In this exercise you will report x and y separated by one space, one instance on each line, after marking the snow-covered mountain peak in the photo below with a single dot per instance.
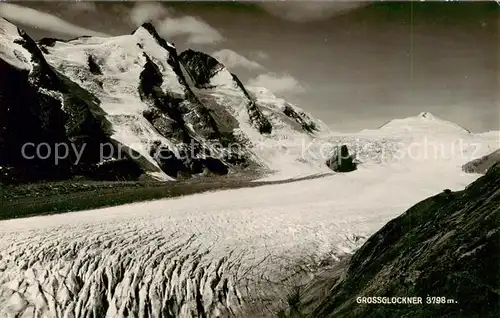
10 50
7 28
136 92
425 123
426 115
418 139
148 30
206 71
263 93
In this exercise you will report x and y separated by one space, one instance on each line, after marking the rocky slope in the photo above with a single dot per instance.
481 165
40 105
444 246
137 106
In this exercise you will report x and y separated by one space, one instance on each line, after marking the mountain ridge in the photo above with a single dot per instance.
144 89
166 115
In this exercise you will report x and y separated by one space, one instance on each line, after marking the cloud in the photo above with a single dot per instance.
231 59
193 28
260 55
82 6
34 18
304 11
196 30
277 84
147 12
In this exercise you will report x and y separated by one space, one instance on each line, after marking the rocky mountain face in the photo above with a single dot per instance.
130 105
444 246
41 106
482 164
341 160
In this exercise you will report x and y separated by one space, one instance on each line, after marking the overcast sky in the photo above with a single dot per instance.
354 65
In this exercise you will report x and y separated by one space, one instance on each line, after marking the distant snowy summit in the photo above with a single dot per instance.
130 106
423 122
426 115
422 139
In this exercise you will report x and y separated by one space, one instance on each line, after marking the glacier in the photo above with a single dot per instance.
222 253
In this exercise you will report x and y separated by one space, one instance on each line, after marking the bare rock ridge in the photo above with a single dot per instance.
133 92
444 246
256 116
481 165
203 67
309 126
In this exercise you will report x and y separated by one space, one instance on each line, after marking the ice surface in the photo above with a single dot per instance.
214 252
208 252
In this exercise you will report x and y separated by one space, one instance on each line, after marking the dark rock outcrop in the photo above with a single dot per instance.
161 41
93 66
150 81
341 160
201 67
165 125
44 108
168 161
444 246
257 118
196 113
481 165
50 42
185 163
214 165
28 116
171 113
307 125
167 116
